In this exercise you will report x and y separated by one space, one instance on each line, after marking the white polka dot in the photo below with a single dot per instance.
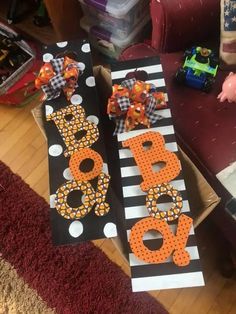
67 174
81 66
93 119
55 150
52 200
83 198
76 229
90 81
62 44
47 57
48 109
105 168
76 99
110 230
85 48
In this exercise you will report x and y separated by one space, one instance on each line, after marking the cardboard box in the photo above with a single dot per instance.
202 197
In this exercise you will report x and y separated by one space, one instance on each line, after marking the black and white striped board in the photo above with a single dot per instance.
166 275
91 227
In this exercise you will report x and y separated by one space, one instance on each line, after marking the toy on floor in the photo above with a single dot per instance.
199 69
228 89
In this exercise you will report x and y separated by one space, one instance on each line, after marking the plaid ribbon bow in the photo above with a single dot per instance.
120 107
56 75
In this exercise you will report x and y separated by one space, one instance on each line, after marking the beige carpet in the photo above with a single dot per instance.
16 296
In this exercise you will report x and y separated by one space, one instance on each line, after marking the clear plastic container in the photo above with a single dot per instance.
118 16
110 45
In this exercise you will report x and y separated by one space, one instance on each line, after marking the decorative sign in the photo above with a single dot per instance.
163 252
80 193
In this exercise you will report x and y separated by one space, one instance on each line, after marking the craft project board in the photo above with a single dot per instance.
165 275
65 231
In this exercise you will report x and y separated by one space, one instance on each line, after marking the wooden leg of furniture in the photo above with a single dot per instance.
227 261
65 17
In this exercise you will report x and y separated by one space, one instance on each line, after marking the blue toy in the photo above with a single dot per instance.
199 69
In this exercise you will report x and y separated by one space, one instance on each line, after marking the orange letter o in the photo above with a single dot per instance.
78 157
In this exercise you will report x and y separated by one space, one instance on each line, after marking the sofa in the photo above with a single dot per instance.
205 128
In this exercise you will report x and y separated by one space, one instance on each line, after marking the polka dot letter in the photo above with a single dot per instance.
155 193
102 207
62 193
156 153
90 198
81 155
171 242
71 120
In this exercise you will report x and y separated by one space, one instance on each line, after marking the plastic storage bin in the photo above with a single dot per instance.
110 45
118 16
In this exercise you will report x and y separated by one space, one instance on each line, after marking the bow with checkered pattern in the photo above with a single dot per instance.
134 102
56 75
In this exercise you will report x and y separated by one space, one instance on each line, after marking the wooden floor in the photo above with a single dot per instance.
23 148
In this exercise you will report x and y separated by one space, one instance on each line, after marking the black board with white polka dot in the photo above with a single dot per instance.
90 227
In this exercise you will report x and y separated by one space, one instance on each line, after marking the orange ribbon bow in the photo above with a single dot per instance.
56 75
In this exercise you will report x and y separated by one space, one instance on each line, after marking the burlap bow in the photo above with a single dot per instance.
134 102
56 75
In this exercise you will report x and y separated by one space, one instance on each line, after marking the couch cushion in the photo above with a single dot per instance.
137 51
207 126
178 24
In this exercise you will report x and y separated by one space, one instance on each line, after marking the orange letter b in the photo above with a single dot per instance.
146 158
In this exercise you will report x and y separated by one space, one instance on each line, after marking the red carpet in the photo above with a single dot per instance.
70 279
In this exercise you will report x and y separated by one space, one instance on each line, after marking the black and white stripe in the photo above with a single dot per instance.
165 275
